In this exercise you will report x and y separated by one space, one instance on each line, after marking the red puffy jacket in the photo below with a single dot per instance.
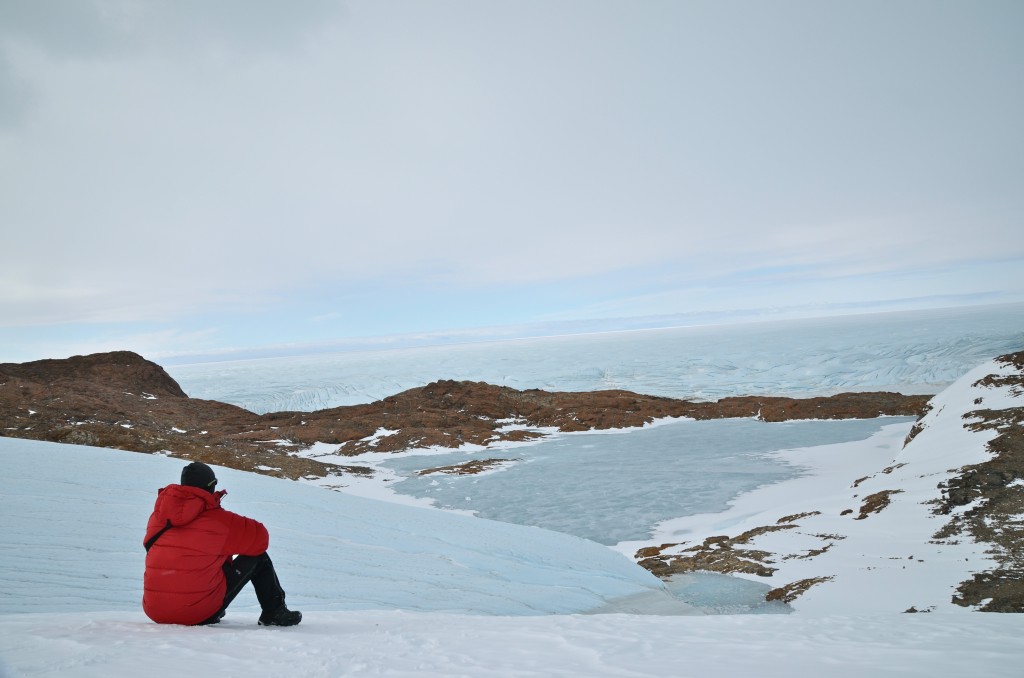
184 582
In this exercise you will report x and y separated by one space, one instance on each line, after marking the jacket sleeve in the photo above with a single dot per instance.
152 527
246 536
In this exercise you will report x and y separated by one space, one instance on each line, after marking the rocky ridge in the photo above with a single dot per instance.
123 401
993 494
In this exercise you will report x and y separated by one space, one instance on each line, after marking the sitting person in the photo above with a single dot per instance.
191 577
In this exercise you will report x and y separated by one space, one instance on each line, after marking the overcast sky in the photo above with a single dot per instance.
193 175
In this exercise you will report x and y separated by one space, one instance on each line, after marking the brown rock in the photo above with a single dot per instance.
123 401
468 468
995 501
793 590
716 554
874 503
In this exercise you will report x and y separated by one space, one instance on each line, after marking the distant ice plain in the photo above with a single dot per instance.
908 352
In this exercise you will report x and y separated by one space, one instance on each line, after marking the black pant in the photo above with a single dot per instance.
256 569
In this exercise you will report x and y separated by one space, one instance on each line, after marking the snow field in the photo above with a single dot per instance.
398 644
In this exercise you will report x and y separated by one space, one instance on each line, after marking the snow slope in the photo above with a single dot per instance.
74 518
886 561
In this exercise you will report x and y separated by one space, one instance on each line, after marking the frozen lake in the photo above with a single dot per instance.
613 487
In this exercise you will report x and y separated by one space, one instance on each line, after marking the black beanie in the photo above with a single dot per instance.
198 474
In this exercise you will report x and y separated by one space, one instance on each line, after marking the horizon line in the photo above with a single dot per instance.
543 330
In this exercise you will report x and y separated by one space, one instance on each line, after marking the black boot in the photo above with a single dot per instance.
282 616
260 571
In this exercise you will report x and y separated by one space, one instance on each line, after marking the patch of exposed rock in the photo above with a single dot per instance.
122 401
998 519
875 503
469 468
793 590
730 555
720 553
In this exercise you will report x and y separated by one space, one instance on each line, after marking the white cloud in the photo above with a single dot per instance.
170 158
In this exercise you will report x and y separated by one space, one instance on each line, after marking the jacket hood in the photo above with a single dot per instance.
182 504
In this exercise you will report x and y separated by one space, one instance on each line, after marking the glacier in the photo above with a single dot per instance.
908 352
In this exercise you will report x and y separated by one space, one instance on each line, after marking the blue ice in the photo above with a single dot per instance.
612 487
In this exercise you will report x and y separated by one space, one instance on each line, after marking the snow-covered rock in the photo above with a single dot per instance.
866 528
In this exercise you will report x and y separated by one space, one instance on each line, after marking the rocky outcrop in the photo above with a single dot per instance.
793 590
123 401
469 468
94 375
994 492
723 554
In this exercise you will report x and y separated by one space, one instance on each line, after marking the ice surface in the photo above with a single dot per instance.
612 487
73 518
725 594
917 352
